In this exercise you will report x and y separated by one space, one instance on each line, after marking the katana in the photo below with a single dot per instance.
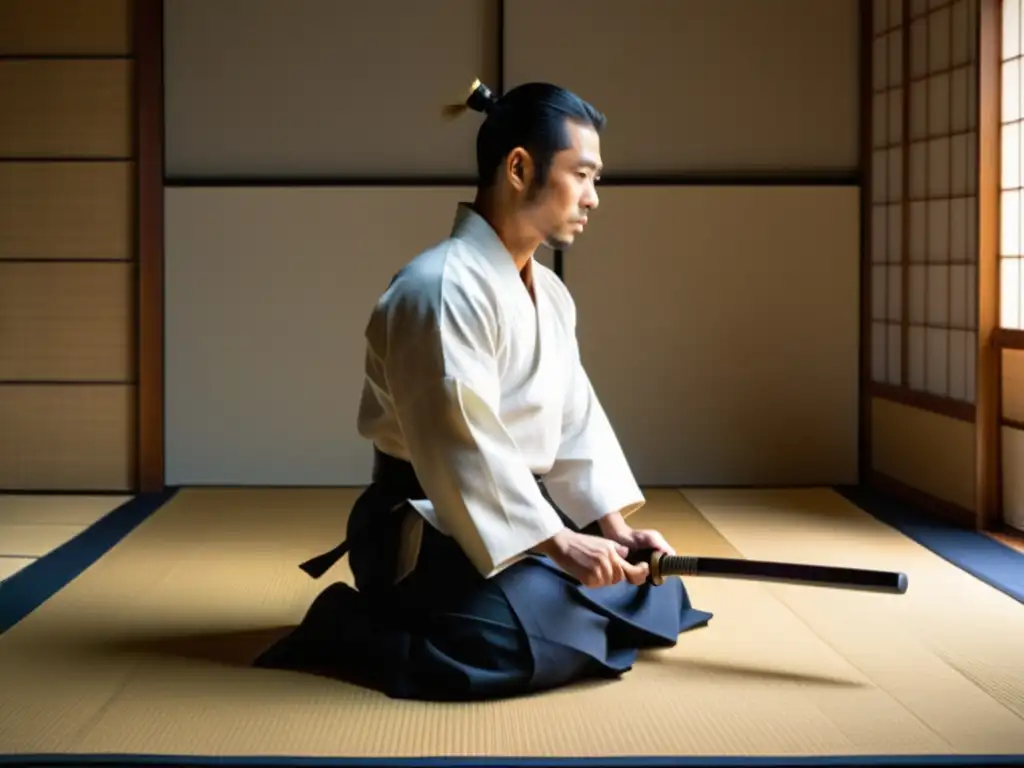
662 565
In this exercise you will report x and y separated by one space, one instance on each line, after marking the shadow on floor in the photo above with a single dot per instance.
233 648
240 648
754 674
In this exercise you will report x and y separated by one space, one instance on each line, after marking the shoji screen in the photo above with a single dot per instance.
887 193
1011 248
942 247
924 244
1011 260
924 181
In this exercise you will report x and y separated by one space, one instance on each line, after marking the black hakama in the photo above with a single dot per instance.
444 632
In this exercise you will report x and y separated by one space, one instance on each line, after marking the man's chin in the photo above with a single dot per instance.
560 243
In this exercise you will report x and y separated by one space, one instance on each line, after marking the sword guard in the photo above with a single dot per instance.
652 557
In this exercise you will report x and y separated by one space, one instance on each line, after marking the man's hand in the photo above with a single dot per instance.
594 560
635 539
615 528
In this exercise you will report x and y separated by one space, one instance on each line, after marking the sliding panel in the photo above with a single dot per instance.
268 291
322 88
886 224
692 86
725 354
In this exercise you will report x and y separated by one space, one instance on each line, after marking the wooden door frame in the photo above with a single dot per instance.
148 33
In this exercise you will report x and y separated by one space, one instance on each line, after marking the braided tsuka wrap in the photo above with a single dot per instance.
679 565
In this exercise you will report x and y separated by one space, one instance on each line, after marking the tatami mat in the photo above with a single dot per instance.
147 651
32 525
10 565
951 650
56 509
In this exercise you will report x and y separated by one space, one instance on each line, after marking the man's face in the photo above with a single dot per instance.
558 211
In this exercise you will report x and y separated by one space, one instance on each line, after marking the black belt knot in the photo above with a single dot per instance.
395 481
398 481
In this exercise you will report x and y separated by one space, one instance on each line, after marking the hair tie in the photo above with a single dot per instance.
480 99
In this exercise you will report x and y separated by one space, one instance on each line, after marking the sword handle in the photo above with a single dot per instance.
653 559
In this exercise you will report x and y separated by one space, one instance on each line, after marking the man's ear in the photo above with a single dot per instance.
519 169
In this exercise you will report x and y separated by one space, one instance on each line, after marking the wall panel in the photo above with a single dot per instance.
928 452
76 437
698 86
1013 385
65 27
55 210
268 291
725 354
1013 477
67 272
66 322
323 88
53 108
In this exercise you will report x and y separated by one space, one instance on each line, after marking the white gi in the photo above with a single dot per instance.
481 387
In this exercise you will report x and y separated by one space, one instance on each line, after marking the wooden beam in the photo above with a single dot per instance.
866 62
1009 338
987 402
148 48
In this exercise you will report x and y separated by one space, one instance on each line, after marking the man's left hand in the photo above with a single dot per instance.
637 539
640 539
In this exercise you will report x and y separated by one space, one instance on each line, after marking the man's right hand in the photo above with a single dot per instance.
594 560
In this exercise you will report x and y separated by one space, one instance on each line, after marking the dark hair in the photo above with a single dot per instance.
532 116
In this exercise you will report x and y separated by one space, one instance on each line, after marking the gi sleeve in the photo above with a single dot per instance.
443 371
590 477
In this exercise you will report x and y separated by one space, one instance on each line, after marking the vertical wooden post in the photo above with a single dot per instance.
148 38
987 412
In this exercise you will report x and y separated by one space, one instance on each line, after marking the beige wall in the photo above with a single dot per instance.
66 254
322 87
923 246
725 354
694 330
719 323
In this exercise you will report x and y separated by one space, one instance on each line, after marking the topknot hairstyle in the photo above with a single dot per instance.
532 116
